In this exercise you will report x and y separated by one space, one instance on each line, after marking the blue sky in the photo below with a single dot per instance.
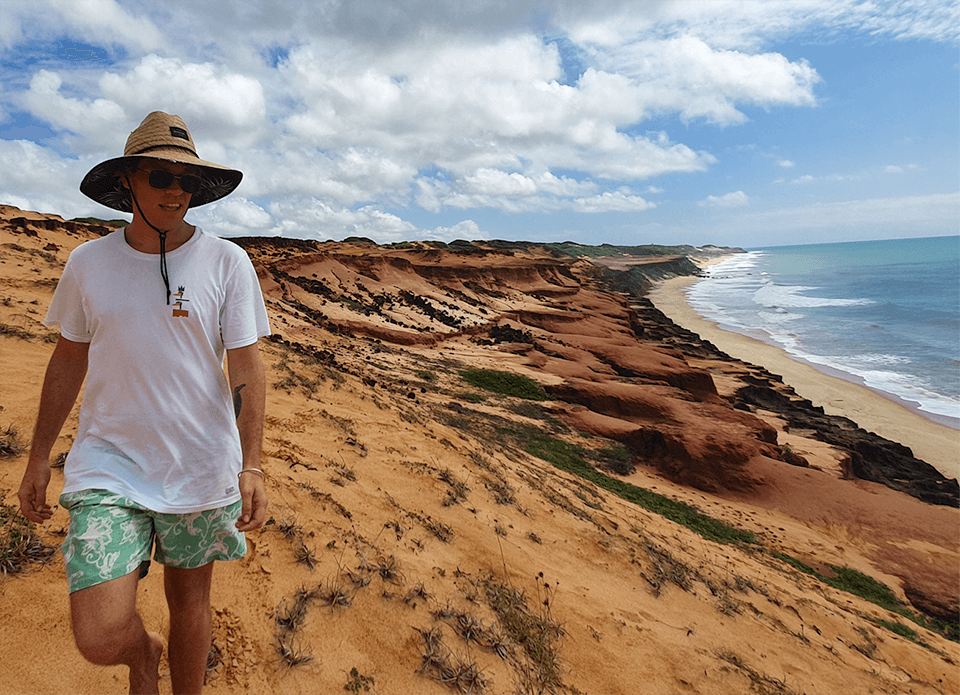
715 121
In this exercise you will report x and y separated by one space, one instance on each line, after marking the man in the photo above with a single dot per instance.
168 449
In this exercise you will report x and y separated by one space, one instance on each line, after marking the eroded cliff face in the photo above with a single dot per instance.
620 365
617 366
575 328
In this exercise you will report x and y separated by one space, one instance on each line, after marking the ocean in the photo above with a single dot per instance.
882 313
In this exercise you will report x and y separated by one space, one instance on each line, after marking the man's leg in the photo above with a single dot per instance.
188 598
109 632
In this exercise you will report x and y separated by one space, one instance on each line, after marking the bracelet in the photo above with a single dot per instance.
252 470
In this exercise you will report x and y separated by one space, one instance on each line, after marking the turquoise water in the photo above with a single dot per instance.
886 313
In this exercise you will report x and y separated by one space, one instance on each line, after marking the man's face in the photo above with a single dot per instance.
164 207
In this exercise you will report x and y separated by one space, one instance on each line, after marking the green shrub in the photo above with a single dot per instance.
868 588
571 458
473 397
859 584
900 629
617 458
505 384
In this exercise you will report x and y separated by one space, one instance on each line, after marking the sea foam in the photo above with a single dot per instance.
857 309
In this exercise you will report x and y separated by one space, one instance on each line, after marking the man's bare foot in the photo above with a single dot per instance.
146 680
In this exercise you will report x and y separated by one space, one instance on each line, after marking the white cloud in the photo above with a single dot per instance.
33 177
213 100
518 193
94 120
102 22
468 229
688 76
233 216
220 107
616 201
313 219
737 199
892 169
786 163
750 23
828 178
106 21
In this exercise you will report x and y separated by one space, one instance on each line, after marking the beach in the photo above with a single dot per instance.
936 444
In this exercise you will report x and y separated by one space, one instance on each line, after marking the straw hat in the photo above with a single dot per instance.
165 137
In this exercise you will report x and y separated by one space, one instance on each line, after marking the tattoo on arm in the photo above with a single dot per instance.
237 401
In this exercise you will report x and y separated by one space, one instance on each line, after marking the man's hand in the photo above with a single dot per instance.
254 511
33 493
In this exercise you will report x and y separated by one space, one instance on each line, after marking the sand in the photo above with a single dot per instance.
936 444
416 508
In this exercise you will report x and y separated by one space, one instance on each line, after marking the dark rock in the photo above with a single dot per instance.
872 457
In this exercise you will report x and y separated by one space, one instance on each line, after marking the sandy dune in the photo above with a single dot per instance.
428 549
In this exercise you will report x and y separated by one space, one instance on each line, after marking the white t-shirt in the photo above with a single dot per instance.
157 422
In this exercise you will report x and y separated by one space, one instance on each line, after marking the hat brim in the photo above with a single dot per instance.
104 185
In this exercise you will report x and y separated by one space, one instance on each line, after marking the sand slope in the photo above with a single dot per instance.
430 551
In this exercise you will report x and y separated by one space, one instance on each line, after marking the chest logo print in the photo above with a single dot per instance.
178 310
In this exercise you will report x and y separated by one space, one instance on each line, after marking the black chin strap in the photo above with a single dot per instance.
163 245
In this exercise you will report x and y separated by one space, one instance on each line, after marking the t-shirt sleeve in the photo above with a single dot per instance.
66 309
244 317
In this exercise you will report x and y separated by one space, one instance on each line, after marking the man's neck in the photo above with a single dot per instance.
140 236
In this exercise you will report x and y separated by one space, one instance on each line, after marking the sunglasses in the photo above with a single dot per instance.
161 178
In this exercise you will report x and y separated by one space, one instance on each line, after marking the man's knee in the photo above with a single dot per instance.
105 619
102 642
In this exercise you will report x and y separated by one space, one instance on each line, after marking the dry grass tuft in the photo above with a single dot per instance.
759 682
290 649
458 489
289 528
10 444
19 545
389 570
666 568
304 555
288 619
538 669
335 595
16 332
417 593
440 530
501 491
440 664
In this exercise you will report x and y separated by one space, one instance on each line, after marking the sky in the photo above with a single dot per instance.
729 122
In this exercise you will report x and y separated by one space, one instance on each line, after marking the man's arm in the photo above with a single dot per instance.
61 386
248 385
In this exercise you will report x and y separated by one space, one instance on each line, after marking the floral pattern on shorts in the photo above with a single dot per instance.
111 535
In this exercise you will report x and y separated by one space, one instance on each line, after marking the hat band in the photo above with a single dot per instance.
163 147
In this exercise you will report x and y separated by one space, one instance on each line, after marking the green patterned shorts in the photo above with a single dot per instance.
110 536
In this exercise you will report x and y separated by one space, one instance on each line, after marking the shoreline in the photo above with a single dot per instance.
936 443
